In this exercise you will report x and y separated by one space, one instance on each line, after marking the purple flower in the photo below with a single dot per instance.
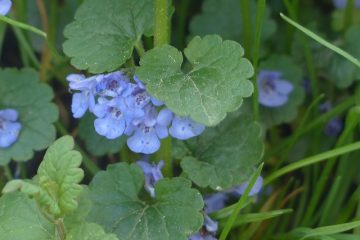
85 99
112 116
208 231
215 202
334 127
148 130
9 127
342 3
184 128
152 173
5 6
273 91
255 189
112 84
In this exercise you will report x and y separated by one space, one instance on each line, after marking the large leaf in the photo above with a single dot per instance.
56 185
96 144
275 115
224 18
20 219
172 214
216 84
89 231
225 156
21 90
104 33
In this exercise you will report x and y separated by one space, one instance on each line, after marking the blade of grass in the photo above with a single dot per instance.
329 230
259 217
322 41
312 160
352 121
239 204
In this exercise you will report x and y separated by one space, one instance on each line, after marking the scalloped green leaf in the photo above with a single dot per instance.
225 156
173 214
22 91
104 33
89 231
342 72
56 186
292 73
96 144
216 84
20 219
224 18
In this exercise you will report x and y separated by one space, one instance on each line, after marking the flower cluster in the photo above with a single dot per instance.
9 127
273 90
342 3
5 6
125 107
208 230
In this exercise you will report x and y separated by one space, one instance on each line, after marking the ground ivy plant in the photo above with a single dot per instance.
179 120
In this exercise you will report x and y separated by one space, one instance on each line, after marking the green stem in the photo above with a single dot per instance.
22 25
7 172
349 13
260 10
161 23
312 160
246 25
161 37
60 228
26 46
140 48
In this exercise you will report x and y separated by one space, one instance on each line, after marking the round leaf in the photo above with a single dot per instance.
104 33
216 84
173 214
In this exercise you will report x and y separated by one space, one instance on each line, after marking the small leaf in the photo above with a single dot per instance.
21 219
225 156
96 144
56 185
172 214
217 83
104 33
293 74
89 231
22 91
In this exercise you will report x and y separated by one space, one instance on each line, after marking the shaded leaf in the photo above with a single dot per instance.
117 206
225 156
